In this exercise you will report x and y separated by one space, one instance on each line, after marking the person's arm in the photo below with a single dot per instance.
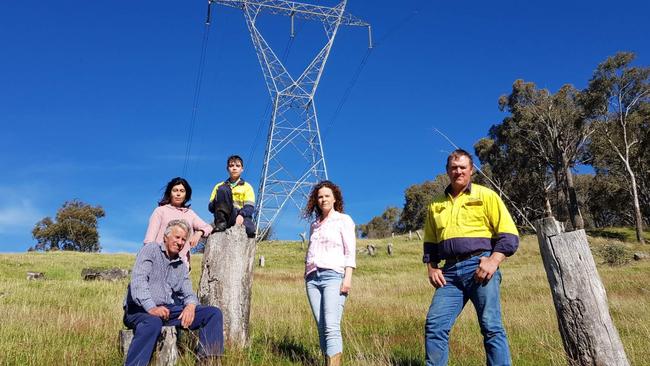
189 297
201 229
346 285
140 291
502 225
154 225
248 208
436 276
349 239
488 266
187 315
506 241
431 251
213 195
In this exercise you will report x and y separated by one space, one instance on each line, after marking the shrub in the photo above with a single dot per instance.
615 254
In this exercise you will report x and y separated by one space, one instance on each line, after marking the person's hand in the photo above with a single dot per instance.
436 277
486 267
346 285
159 311
187 315
194 239
239 220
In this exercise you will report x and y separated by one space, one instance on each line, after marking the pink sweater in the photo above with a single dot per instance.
162 215
332 244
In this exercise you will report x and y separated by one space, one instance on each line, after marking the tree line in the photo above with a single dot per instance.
531 156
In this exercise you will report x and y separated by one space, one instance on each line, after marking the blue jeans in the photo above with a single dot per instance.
449 300
327 302
146 329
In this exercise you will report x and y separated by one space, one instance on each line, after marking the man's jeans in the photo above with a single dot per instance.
324 294
146 329
449 300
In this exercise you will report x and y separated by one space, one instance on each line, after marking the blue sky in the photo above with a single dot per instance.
96 97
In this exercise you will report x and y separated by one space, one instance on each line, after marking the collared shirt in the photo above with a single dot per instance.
332 244
162 215
242 195
158 280
477 219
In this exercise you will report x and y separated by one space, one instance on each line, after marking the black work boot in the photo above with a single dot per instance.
220 223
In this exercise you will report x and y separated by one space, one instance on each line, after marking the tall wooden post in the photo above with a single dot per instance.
588 333
227 281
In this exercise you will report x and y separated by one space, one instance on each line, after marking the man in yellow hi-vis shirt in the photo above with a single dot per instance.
469 228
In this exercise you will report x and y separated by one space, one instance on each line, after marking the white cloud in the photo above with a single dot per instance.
18 215
115 244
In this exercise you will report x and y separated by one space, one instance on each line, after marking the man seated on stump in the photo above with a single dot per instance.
160 294
233 201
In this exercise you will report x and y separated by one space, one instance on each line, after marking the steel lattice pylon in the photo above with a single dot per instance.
294 159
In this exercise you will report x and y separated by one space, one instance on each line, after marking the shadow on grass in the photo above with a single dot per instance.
397 359
608 234
295 351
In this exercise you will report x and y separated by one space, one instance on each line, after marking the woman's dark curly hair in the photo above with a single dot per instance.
167 196
312 208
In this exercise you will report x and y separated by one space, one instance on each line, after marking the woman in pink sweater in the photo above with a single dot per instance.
174 206
328 265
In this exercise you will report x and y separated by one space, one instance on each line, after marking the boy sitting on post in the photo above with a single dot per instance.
232 201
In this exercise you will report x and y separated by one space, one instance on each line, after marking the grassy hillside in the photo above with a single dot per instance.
64 320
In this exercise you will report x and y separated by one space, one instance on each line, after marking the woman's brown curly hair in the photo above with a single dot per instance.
312 208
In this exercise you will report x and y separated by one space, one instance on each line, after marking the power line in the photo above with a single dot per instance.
492 182
197 93
364 61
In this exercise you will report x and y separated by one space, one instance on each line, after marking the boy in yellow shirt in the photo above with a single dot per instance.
233 201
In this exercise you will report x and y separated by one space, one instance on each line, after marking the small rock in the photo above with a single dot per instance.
639 256
35 276
111 274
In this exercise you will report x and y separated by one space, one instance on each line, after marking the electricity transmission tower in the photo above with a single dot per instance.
294 159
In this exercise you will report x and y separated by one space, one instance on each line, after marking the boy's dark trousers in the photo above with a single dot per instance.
225 212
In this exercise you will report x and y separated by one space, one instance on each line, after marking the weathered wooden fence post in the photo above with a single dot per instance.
588 334
227 281
371 249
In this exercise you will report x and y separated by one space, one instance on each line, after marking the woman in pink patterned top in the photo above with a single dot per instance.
328 265
173 206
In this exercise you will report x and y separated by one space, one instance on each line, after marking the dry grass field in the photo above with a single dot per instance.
63 320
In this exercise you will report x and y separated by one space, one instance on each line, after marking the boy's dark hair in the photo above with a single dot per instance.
232 158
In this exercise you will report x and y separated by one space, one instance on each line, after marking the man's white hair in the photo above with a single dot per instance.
181 224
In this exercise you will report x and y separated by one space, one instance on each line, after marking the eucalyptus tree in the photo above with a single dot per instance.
549 129
524 178
619 96
417 198
74 228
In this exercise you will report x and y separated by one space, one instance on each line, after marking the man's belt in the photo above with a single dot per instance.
461 257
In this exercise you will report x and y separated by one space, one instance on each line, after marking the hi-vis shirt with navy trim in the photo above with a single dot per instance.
242 193
477 219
